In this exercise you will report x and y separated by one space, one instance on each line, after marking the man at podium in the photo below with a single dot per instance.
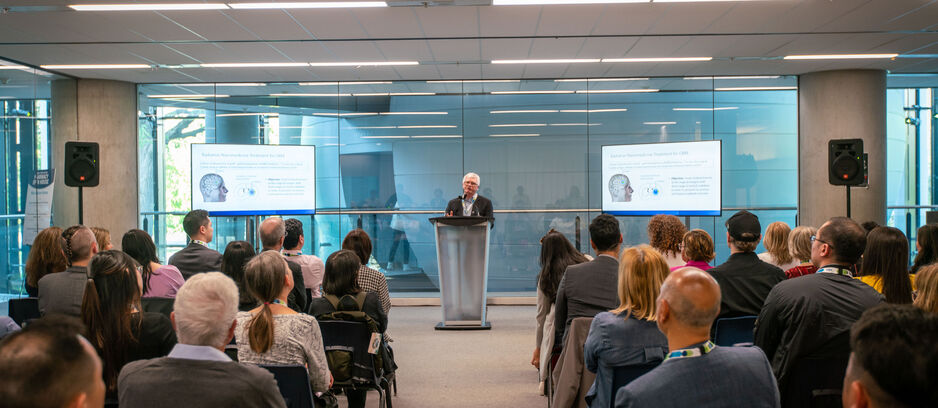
470 203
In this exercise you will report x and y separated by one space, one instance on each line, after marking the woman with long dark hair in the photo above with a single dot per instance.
236 257
117 327
884 264
159 281
926 243
557 253
272 333
45 257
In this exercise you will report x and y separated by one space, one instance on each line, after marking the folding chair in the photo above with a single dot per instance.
733 331
293 381
354 337
815 382
162 306
23 310
623 375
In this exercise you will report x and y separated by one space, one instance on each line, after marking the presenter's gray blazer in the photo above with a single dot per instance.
585 290
196 258
724 377
62 292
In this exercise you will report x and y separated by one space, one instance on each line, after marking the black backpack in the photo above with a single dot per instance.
340 361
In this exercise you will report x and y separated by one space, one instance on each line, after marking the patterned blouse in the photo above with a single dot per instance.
370 280
297 340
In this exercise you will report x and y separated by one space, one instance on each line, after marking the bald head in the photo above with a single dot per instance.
272 231
80 243
693 297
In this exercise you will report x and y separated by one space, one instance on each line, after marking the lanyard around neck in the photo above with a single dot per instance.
203 243
836 269
692 351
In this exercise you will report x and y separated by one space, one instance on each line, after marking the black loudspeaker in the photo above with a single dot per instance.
81 164
845 161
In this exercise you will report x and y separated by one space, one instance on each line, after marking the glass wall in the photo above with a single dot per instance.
910 156
390 155
26 135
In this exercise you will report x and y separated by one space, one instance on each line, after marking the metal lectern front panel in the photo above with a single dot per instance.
462 251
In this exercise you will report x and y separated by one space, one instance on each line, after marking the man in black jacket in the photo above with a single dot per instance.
470 203
272 232
745 280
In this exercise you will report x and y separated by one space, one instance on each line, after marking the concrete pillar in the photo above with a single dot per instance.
102 111
844 104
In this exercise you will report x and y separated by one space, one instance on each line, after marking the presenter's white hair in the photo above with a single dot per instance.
470 175
204 309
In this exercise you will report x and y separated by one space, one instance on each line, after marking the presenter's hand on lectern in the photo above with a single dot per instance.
449 214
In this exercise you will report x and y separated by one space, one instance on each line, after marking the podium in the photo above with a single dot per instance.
462 252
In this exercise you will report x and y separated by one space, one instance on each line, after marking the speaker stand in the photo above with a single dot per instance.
848 201
81 218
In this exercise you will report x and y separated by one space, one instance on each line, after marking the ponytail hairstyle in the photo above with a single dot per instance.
264 278
138 244
112 295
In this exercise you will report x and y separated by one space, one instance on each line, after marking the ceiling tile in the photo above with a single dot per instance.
449 21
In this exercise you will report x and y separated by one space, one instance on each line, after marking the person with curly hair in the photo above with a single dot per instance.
665 234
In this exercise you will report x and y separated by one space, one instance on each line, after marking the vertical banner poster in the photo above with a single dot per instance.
38 205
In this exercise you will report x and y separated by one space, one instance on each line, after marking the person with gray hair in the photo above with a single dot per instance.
272 232
688 303
197 372
63 292
470 203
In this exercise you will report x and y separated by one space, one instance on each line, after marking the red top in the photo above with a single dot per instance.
800 270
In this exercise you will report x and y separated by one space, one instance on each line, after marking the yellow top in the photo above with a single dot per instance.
877 283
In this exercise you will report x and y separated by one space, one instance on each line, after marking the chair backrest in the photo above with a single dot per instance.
623 375
162 306
353 338
734 330
293 381
815 382
24 309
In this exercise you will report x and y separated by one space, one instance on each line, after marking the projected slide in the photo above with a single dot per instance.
230 179
662 178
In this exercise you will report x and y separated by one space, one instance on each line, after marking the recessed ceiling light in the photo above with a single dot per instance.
757 88
362 63
529 92
414 113
472 81
839 56
519 125
575 124
705 109
427 127
253 65
308 4
495 112
96 66
547 61
188 96
436 136
148 7
593 110
600 79
554 2
13 67
592 91
281 95
659 123
668 59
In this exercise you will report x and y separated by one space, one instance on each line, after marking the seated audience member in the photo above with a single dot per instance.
197 256
197 372
776 246
869 226
103 238
926 297
118 330
237 254
811 316
557 253
627 335
697 373
745 280
50 366
696 250
311 265
45 257
369 280
590 287
926 244
341 292
665 234
272 333
884 264
62 292
799 244
272 233
7 326
893 362
162 281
